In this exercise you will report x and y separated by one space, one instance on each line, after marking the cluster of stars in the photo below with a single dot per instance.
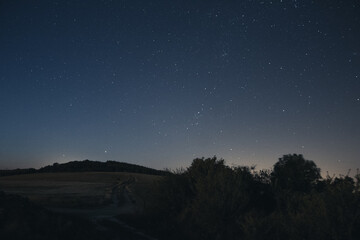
245 80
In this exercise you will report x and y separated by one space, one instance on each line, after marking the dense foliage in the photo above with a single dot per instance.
210 200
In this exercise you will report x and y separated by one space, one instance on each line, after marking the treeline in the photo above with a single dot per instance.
210 200
97 166
87 166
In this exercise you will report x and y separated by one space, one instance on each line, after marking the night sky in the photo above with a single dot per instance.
159 83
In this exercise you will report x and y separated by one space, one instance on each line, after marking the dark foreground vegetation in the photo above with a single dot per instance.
210 200
86 166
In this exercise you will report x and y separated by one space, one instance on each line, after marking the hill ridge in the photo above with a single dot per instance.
86 166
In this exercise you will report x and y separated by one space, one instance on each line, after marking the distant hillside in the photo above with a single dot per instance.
86 166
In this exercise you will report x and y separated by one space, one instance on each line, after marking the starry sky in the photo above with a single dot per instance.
159 83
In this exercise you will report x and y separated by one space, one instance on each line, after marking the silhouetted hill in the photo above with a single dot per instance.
87 166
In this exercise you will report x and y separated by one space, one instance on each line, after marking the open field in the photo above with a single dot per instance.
100 197
80 190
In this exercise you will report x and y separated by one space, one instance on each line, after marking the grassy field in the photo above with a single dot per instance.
77 190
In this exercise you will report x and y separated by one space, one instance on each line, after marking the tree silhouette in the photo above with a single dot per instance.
293 172
210 200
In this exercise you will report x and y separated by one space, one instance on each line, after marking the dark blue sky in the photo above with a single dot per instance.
159 83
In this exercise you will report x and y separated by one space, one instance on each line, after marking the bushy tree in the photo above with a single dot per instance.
293 172
210 200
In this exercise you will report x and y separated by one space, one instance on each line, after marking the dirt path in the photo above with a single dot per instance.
122 203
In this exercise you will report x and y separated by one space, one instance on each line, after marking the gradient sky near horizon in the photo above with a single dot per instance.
158 83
